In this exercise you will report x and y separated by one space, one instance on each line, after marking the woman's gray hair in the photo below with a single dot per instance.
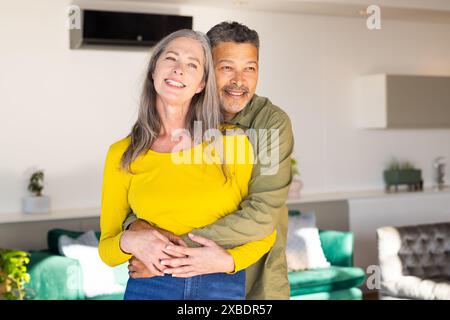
204 106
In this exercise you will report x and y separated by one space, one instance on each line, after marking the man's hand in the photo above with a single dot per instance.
136 269
140 224
204 260
144 225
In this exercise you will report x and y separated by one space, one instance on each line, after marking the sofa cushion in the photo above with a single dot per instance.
416 288
54 235
120 272
325 280
415 261
54 277
88 239
98 278
303 247
337 247
425 250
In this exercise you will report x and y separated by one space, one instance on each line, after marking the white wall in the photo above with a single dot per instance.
60 109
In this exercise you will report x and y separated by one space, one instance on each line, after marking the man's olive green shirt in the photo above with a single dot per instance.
264 209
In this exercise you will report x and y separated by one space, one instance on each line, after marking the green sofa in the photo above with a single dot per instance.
55 277
339 281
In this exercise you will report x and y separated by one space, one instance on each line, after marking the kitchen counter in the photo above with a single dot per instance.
363 194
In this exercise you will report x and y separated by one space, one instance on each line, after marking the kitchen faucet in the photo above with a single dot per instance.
439 172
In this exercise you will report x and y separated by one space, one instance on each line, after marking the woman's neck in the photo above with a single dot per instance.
172 116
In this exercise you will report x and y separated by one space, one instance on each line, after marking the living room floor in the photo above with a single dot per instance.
370 296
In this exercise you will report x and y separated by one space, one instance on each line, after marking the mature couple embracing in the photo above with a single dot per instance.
205 229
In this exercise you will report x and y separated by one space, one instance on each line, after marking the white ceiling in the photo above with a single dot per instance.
300 5
414 10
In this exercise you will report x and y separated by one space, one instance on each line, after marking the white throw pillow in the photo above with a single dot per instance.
88 238
303 248
98 278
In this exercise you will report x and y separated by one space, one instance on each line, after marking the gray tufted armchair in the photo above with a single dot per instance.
415 261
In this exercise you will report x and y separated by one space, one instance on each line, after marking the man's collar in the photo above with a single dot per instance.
245 117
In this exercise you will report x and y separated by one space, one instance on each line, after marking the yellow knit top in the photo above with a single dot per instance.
178 192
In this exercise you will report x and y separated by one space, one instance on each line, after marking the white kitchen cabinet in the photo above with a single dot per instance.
403 101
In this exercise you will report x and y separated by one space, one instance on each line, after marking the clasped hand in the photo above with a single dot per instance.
156 251
210 258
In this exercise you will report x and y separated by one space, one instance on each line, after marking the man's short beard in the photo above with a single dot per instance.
233 109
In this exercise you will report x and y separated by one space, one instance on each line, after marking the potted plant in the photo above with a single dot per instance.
13 274
403 173
296 184
36 203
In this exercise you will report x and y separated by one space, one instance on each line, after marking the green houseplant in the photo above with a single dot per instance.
36 183
37 202
402 174
294 168
13 274
296 184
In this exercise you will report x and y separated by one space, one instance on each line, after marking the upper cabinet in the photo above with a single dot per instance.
403 101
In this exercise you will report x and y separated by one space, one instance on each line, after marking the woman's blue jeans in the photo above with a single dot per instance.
216 286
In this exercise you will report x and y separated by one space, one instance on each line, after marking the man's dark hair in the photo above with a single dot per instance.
232 32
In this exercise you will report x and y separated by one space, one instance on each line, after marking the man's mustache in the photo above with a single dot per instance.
243 89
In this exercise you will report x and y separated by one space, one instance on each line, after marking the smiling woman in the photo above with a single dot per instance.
141 176
178 75
180 88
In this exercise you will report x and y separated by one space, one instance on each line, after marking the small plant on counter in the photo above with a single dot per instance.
407 166
402 173
36 183
394 165
37 202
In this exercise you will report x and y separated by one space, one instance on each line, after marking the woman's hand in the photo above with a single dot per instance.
146 245
177 240
210 258
146 248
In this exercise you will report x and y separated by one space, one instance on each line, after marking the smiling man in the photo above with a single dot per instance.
235 50
236 67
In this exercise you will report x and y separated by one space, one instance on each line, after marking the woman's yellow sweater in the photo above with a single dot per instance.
177 197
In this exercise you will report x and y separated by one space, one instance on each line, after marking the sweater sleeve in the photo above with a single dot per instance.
247 254
114 206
